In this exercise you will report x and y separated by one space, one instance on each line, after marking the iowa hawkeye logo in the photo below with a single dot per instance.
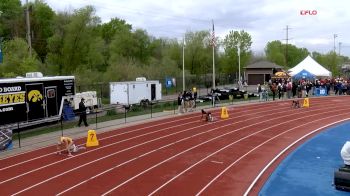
35 96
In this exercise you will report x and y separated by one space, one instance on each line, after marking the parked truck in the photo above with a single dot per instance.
135 92
34 99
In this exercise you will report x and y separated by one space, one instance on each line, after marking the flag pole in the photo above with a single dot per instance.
213 44
183 65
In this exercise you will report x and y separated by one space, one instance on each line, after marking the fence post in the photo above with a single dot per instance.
61 126
19 135
101 90
125 108
174 106
151 108
96 120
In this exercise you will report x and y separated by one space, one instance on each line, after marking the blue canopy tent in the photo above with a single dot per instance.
304 74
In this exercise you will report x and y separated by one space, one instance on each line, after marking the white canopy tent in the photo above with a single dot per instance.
311 66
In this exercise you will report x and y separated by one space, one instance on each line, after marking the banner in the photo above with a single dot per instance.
168 82
320 91
5 139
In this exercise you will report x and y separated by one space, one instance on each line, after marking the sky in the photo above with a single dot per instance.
317 25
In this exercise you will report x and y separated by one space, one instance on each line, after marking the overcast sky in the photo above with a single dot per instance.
264 20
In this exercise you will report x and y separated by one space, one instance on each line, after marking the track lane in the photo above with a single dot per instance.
263 106
197 175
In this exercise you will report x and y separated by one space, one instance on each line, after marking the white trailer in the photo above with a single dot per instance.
90 97
135 92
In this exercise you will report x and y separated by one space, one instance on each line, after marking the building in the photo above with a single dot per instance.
260 72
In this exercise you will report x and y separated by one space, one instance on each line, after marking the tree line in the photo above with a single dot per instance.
78 43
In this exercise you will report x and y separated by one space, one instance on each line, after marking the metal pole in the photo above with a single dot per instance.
213 44
213 67
239 64
61 126
125 114
19 135
183 65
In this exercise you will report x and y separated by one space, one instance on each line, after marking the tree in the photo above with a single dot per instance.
11 20
74 44
231 43
113 27
17 61
329 61
42 18
197 52
276 52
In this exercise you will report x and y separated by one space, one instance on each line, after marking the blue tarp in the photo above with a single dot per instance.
304 74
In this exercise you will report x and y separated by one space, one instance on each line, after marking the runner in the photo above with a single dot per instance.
207 115
65 143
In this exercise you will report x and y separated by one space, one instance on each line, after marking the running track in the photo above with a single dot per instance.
179 155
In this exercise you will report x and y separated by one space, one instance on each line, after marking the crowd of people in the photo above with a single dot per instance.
186 101
287 89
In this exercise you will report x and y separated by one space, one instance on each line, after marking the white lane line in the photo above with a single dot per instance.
146 143
82 182
31 171
150 168
260 108
167 122
284 150
125 139
210 155
218 162
183 139
214 179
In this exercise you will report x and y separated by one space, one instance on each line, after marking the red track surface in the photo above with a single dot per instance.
176 156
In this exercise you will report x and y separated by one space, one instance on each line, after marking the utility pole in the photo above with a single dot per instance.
287 29
29 39
339 48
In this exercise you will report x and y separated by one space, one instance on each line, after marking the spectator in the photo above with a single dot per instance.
82 112
273 90
180 103
259 92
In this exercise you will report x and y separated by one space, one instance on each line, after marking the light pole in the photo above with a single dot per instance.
239 64
183 65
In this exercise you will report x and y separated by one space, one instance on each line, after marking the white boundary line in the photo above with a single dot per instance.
287 148
121 184
116 135
126 150
260 108
205 187
276 125
146 143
